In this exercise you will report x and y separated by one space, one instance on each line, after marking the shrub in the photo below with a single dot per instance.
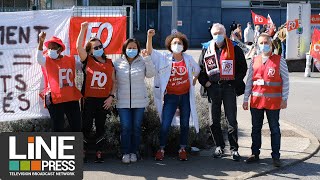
150 128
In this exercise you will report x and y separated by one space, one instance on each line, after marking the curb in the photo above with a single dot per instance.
313 148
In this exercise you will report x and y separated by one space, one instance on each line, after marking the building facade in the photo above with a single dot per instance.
194 17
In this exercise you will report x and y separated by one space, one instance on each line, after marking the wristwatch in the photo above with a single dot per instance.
112 96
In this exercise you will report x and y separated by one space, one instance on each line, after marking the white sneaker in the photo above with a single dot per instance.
133 157
218 152
126 158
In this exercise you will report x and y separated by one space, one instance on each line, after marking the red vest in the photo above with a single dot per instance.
60 78
98 78
267 95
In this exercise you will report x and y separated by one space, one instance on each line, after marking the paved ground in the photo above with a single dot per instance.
297 144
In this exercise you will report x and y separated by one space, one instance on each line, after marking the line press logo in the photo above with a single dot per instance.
41 155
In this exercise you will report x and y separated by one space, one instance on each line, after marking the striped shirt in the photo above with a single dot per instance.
283 73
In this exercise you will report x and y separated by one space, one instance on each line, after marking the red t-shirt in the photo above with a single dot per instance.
179 81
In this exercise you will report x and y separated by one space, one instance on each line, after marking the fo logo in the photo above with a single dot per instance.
39 155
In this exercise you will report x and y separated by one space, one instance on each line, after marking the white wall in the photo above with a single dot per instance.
63 4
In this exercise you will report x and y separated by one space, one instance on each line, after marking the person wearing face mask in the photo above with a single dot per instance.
268 86
98 89
223 67
173 88
60 94
248 34
132 96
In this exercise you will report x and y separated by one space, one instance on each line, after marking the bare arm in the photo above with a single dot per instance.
108 102
114 81
150 34
81 51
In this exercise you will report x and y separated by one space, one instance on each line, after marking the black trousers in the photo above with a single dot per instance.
71 110
218 94
93 109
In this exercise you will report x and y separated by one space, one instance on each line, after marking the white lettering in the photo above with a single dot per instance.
12 149
98 76
64 74
101 27
41 144
62 147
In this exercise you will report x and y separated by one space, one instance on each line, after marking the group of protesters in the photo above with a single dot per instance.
250 35
220 71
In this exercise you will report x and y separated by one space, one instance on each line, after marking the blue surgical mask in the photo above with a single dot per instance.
131 53
265 48
218 38
53 54
98 53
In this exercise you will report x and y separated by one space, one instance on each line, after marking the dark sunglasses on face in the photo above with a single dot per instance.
98 47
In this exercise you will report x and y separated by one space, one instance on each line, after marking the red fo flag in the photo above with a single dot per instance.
292 25
258 19
315 45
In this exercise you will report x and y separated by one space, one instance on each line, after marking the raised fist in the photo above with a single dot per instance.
42 36
151 32
84 25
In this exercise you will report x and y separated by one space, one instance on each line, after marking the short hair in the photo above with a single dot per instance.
238 25
267 36
218 26
125 45
179 35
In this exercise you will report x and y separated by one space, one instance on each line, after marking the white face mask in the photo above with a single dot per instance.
53 54
176 48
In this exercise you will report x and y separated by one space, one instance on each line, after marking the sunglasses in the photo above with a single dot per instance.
98 47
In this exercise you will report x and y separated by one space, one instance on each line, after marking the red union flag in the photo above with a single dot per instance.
110 30
292 25
258 19
315 45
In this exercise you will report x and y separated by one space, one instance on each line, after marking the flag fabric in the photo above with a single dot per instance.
258 19
315 44
269 20
292 25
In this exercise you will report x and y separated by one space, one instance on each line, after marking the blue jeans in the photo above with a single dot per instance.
283 47
257 122
130 120
171 103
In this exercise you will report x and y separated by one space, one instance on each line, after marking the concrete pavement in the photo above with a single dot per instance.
297 145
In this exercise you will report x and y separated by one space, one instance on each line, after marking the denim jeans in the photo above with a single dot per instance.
283 47
224 93
130 120
171 103
257 122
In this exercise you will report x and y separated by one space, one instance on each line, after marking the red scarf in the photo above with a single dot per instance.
227 61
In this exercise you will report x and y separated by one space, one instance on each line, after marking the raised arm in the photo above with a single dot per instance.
81 51
40 58
150 34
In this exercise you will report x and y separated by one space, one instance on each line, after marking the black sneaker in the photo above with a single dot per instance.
99 158
252 159
236 156
276 162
